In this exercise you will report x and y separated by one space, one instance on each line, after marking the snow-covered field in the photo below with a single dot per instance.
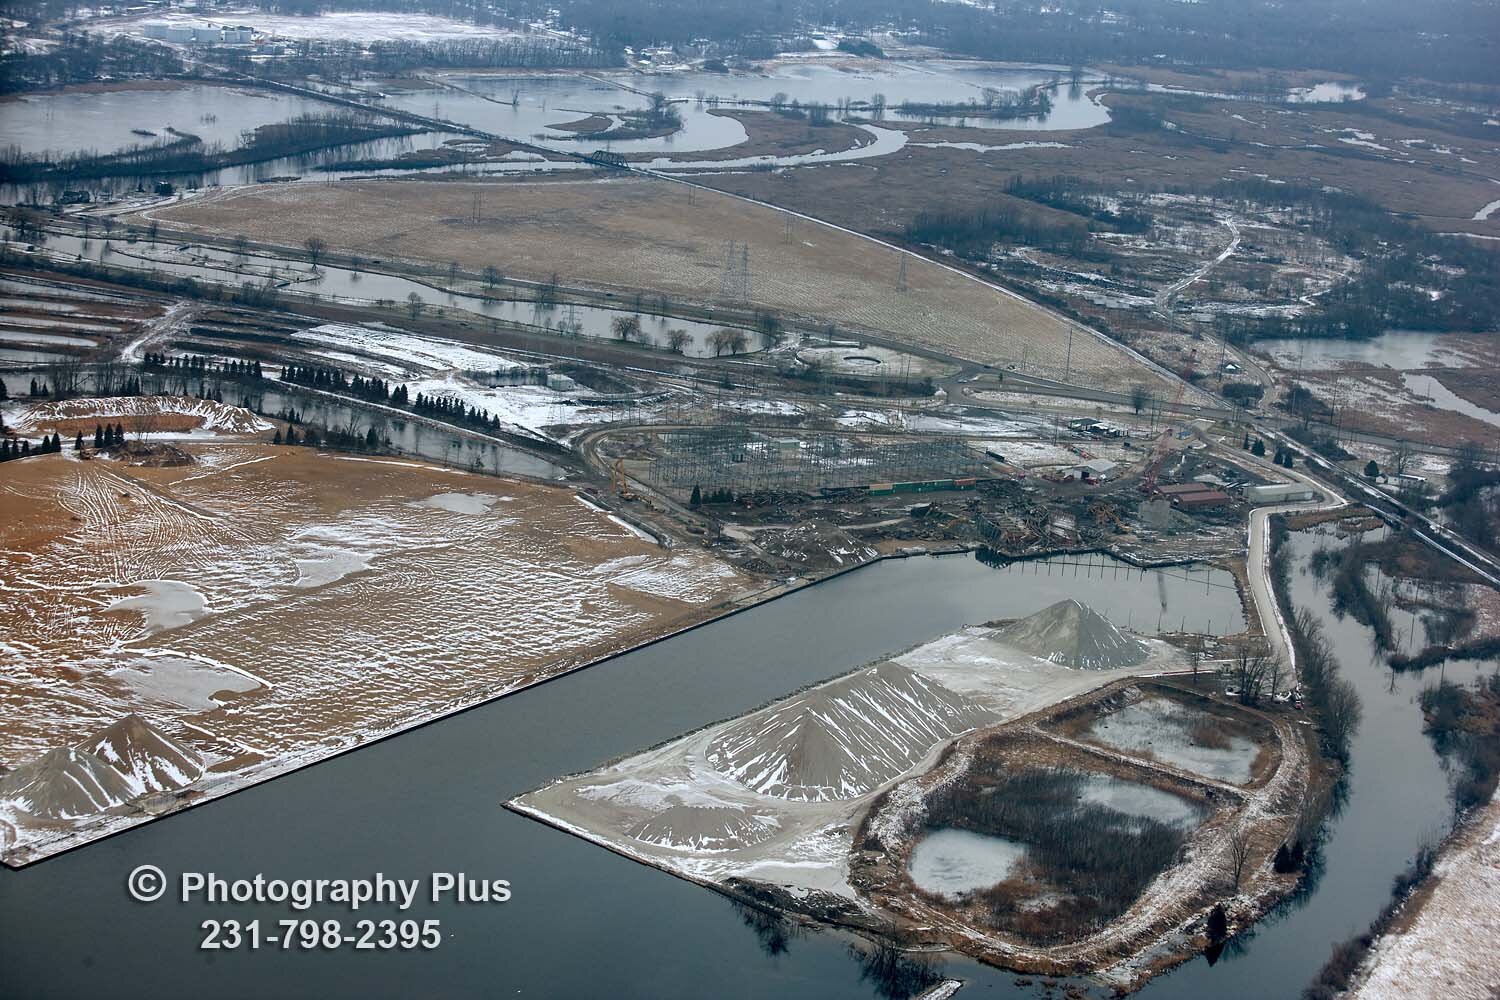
414 354
272 606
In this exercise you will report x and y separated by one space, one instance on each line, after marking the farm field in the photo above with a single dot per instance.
641 234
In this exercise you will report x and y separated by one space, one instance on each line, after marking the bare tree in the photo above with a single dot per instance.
678 339
452 272
314 246
1139 397
414 305
1239 854
626 327
1251 671
492 276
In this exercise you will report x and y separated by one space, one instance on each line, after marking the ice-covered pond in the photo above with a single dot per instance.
951 861
1177 735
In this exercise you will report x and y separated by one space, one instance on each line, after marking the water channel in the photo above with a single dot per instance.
341 284
585 922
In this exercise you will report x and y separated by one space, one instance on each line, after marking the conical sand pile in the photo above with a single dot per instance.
845 738
1076 635
147 758
65 783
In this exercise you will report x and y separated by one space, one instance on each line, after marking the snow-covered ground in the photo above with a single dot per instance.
774 795
413 353
281 605
1449 951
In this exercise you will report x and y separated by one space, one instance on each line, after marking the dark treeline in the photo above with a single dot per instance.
1070 194
81 58
187 154
974 232
342 60
1399 263
1033 102
1446 40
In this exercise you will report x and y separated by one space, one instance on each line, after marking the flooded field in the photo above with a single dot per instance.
341 284
105 120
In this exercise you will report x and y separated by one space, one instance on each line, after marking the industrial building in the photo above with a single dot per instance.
1280 493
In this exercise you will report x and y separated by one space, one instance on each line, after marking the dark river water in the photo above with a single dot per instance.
584 922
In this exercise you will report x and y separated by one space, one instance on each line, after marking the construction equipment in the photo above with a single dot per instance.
617 480
1159 450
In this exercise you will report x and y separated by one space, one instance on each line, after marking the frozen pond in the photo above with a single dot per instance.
1140 801
1178 736
950 861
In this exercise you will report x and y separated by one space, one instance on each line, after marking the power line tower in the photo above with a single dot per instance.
734 282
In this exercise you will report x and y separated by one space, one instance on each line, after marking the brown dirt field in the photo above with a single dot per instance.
340 601
629 234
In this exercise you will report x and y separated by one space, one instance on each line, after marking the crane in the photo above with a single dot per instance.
1159 450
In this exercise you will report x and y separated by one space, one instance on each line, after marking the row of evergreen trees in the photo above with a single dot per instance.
455 412
12 448
197 364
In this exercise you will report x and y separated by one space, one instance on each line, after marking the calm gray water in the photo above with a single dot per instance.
587 923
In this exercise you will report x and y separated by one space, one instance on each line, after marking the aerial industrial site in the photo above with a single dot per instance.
904 501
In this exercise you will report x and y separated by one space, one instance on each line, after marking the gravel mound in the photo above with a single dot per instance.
144 756
705 828
1075 635
845 738
65 783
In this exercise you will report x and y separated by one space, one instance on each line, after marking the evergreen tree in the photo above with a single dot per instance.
1259 448
1372 470
1218 923
119 433
277 438
697 498
78 442
371 439
4 392
1246 445
291 435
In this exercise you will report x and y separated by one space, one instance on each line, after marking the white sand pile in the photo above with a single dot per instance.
65 783
705 828
144 756
845 738
1075 635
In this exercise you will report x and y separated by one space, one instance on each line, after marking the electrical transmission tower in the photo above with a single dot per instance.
734 282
